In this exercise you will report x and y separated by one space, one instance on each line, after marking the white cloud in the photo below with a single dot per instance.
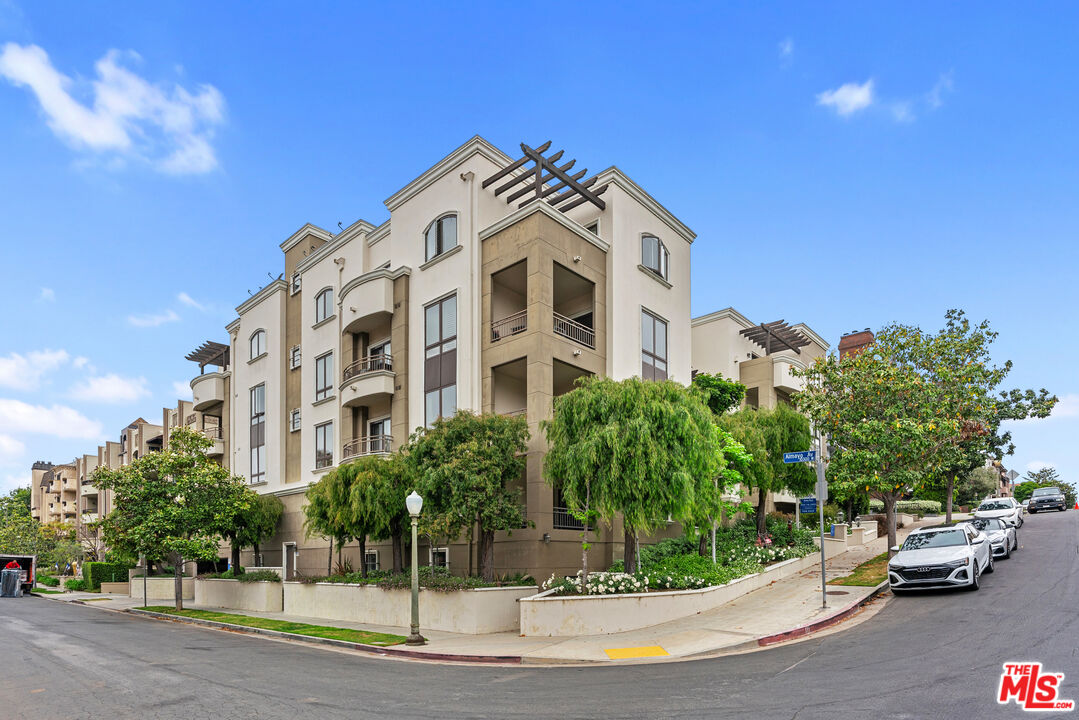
24 372
47 294
153 320
10 482
57 420
130 116
935 97
786 50
1036 465
181 389
903 112
190 301
112 388
849 98
80 362
1067 407
11 449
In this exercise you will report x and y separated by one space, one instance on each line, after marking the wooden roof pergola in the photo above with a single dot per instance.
773 334
546 180
210 353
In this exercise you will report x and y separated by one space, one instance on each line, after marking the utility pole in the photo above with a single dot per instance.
822 497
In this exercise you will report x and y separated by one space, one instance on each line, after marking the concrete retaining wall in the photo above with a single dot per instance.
484 610
161 588
235 595
114 588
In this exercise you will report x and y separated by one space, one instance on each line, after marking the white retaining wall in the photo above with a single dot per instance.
236 595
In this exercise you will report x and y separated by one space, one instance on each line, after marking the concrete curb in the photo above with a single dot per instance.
372 649
820 624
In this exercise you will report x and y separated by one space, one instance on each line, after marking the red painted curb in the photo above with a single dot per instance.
808 628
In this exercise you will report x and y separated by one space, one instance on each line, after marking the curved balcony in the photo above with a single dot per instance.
371 445
215 434
367 301
367 379
208 390
782 377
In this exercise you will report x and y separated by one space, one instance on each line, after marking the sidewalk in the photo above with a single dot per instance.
771 614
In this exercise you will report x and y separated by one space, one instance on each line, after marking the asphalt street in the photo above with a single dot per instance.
934 655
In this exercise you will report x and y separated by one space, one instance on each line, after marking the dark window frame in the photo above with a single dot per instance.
440 361
650 358
662 267
439 247
324 438
257 397
324 374
324 309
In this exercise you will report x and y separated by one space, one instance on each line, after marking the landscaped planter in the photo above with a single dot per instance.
262 596
863 534
550 615
483 610
161 588
114 588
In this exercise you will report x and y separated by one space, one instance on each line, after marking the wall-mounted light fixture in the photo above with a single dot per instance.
547 537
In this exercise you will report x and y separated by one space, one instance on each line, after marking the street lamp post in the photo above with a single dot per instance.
414 503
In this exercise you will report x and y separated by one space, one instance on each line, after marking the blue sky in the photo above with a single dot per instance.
844 165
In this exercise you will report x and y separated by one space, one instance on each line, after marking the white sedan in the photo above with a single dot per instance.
1003 537
1006 509
938 557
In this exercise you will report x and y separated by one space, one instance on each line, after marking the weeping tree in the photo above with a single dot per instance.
171 504
766 435
631 447
328 512
390 482
257 521
467 468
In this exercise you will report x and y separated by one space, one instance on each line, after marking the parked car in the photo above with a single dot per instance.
1024 504
938 557
1007 509
1003 537
1047 498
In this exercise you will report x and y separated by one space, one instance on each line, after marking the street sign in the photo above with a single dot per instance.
807 505
800 456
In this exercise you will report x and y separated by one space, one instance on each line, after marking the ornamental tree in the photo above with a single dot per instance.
171 504
389 483
466 467
256 521
720 395
337 509
766 435
631 447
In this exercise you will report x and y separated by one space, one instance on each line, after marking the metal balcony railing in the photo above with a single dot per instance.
511 325
212 432
370 445
514 413
575 331
372 363
563 520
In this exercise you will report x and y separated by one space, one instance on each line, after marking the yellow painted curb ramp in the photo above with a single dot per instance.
636 652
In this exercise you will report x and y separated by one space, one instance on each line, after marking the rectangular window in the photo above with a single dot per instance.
324 377
440 359
653 347
378 432
294 357
593 228
440 557
295 288
370 559
654 255
294 420
258 433
324 445
380 358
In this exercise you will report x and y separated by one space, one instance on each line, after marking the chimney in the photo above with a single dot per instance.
855 342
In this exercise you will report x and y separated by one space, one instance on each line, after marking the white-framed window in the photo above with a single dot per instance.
258 433
323 305
370 559
653 347
440 236
324 445
324 376
440 557
258 344
294 286
654 256
294 357
440 359
294 420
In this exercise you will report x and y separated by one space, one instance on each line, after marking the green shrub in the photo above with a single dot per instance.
432 578
47 580
76 584
259 576
95 573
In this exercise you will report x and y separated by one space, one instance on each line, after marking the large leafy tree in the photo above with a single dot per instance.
631 447
466 467
766 435
256 521
390 481
337 508
15 504
720 394
171 504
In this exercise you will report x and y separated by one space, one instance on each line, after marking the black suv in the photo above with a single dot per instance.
1047 498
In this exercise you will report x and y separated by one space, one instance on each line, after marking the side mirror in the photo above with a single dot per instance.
894 548
979 540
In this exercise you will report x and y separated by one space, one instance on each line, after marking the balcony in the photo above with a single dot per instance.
782 378
208 390
370 445
574 331
563 520
367 379
88 490
508 326
367 301
509 290
214 433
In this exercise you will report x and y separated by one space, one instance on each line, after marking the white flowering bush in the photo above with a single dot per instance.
621 583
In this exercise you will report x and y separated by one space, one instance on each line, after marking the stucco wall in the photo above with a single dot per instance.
233 594
161 588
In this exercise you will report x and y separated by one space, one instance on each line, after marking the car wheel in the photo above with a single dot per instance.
1007 551
976 582
1031 511
989 565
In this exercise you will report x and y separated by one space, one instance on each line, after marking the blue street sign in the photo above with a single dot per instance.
800 456
807 505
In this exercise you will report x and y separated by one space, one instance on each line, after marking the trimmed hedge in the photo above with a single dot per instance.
910 507
76 585
95 573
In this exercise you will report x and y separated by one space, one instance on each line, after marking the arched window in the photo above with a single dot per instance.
258 344
654 255
323 305
441 236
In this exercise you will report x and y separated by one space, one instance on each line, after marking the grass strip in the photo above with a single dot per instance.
292 628
48 592
869 574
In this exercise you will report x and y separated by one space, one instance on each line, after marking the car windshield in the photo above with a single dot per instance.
997 505
987 525
1040 492
939 538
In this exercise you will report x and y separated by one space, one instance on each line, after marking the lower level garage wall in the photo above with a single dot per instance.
236 595
161 588
549 615
485 610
